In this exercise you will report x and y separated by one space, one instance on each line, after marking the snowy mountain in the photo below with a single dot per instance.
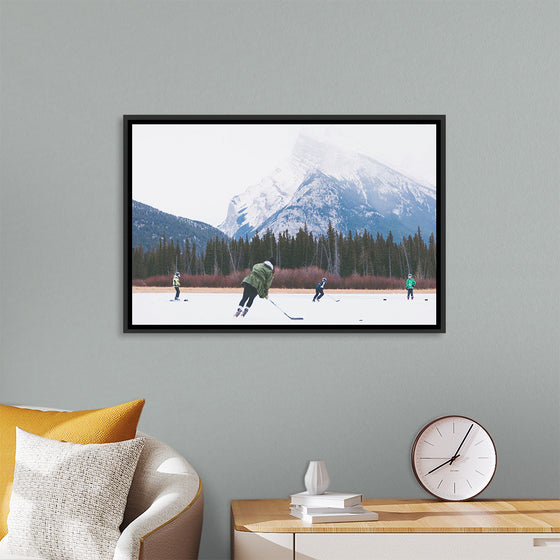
320 182
149 224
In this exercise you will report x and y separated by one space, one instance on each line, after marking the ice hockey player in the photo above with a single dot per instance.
176 285
257 283
410 283
319 292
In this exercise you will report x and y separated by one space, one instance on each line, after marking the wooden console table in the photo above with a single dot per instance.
406 530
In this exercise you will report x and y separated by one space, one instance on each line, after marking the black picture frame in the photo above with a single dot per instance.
288 314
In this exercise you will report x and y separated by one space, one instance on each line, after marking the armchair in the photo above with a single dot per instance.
163 516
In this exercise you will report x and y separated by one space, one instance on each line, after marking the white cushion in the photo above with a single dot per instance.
68 499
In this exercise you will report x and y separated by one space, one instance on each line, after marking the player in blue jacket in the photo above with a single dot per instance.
319 292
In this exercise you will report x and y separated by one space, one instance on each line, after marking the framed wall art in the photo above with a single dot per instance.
284 223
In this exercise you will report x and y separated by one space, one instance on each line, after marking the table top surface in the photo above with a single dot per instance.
408 516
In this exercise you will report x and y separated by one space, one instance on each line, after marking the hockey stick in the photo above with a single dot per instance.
329 295
289 317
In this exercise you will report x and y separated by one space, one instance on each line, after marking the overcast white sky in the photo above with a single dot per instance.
194 170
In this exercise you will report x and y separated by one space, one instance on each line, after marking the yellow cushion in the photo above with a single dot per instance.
104 425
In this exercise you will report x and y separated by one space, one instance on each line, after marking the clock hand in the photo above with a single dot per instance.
446 462
456 455
460 445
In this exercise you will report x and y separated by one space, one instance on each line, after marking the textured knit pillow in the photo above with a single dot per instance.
104 425
68 499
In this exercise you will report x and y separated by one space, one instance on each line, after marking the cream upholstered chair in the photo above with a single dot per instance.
163 516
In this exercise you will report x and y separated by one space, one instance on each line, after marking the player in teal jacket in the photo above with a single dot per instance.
410 283
257 283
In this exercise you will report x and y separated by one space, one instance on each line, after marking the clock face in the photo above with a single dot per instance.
454 458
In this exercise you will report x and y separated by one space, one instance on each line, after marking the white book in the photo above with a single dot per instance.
364 515
308 509
328 499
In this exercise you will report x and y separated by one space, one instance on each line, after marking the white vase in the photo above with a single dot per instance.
316 478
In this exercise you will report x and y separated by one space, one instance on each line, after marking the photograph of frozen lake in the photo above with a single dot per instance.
288 221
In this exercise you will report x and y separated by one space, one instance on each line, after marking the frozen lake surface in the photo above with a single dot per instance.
218 309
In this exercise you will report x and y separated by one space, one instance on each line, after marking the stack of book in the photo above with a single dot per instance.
330 507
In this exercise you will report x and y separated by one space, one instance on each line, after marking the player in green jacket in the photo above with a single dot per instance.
176 285
410 283
257 283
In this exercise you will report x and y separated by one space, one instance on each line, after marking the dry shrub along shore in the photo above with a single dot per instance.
287 279
199 290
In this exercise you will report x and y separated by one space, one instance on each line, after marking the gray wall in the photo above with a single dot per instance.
250 410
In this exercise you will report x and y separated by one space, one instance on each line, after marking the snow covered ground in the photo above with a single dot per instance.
218 309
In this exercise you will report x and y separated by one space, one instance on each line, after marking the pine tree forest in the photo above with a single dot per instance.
343 256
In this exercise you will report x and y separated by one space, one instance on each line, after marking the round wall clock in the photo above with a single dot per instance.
454 458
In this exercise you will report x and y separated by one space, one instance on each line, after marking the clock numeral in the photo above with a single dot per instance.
479 442
468 483
438 432
482 474
429 443
454 492
440 483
